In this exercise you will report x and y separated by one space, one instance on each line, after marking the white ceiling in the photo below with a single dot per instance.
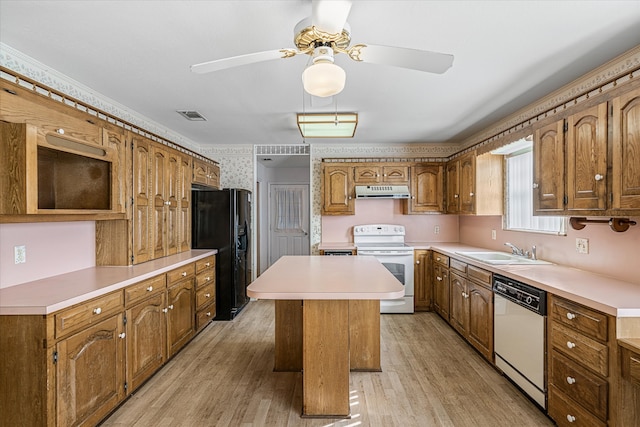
138 53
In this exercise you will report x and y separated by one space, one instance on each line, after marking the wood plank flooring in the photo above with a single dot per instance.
430 377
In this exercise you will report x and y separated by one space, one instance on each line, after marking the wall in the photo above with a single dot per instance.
611 254
52 249
418 228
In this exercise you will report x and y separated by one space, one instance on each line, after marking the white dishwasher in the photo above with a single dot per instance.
519 335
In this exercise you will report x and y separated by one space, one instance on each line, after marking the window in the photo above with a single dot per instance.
519 192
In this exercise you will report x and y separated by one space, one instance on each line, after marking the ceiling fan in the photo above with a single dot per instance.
324 34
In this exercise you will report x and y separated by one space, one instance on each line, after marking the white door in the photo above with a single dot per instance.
288 220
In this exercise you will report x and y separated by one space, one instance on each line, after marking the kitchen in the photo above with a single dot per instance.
61 247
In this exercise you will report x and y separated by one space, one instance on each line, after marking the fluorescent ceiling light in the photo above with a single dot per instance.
328 125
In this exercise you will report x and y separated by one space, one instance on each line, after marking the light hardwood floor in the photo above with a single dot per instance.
430 377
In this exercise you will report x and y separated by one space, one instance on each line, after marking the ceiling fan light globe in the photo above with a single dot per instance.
323 79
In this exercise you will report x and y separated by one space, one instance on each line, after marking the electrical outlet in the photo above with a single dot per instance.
436 229
493 234
20 254
582 245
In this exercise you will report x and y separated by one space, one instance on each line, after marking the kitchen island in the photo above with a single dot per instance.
327 322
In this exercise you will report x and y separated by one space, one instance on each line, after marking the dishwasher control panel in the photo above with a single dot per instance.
522 294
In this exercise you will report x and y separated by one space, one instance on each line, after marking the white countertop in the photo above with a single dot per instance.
326 277
54 293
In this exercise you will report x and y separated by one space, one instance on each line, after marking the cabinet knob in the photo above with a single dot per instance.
168 203
438 259
439 278
150 288
171 307
571 380
97 310
418 261
455 196
349 197
207 278
570 344
207 295
599 177
208 314
571 316
571 418
207 264
164 310
184 274
471 194
122 335
60 131
535 185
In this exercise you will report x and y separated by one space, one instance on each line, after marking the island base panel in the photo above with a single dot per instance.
288 330
364 335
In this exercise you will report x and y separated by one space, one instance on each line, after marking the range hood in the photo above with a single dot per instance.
382 192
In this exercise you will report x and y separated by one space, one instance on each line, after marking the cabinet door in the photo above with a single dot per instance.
395 174
90 373
459 314
338 190
146 340
184 216
481 319
422 280
587 159
172 202
426 189
142 200
441 291
159 166
626 152
120 168
180 315
453 187
367 175
467 183
200 172
548 168
214 176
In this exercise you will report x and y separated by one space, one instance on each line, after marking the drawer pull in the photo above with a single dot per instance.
207 264
438 259
184 274
208 278
571 380
150 288
571 418
122 335
97 310
164 310
439 278
208 314
571 316
570 344
207 295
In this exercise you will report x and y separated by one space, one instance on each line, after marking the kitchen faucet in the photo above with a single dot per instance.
515 250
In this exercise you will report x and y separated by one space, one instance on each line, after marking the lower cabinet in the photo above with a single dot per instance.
96 352
441 285
422 280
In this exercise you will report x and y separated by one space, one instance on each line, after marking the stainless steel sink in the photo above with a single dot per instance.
501 258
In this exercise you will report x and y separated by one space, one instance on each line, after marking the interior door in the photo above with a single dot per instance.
288 220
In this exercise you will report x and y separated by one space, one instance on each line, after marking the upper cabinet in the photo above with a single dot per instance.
475 184
206 173
427 190
377 174
589 164
338 190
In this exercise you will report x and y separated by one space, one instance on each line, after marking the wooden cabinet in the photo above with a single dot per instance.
206 173
580 362
422 276
184 204
625 165
180 307
205 304
628 406
90 373
337 190
475 184
142 199
459 306
548 169
441 285
427 187
378 174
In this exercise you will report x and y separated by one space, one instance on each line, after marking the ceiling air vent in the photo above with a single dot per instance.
192 115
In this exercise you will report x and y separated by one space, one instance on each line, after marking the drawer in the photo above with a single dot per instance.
206 277
580 318
205 295
631 365
69 128
589 352
479 275
567 413
180 273
205 263
140 291
205 315
82 315
441 259
458 265
585 388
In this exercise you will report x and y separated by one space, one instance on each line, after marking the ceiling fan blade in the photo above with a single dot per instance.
237 61
330 16
415 59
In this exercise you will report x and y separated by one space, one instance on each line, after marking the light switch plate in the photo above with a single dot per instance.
436 229
582 245
493 234
20 254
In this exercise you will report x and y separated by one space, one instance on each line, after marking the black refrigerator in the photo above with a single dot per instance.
222 221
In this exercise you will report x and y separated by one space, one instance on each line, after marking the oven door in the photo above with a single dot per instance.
400 264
